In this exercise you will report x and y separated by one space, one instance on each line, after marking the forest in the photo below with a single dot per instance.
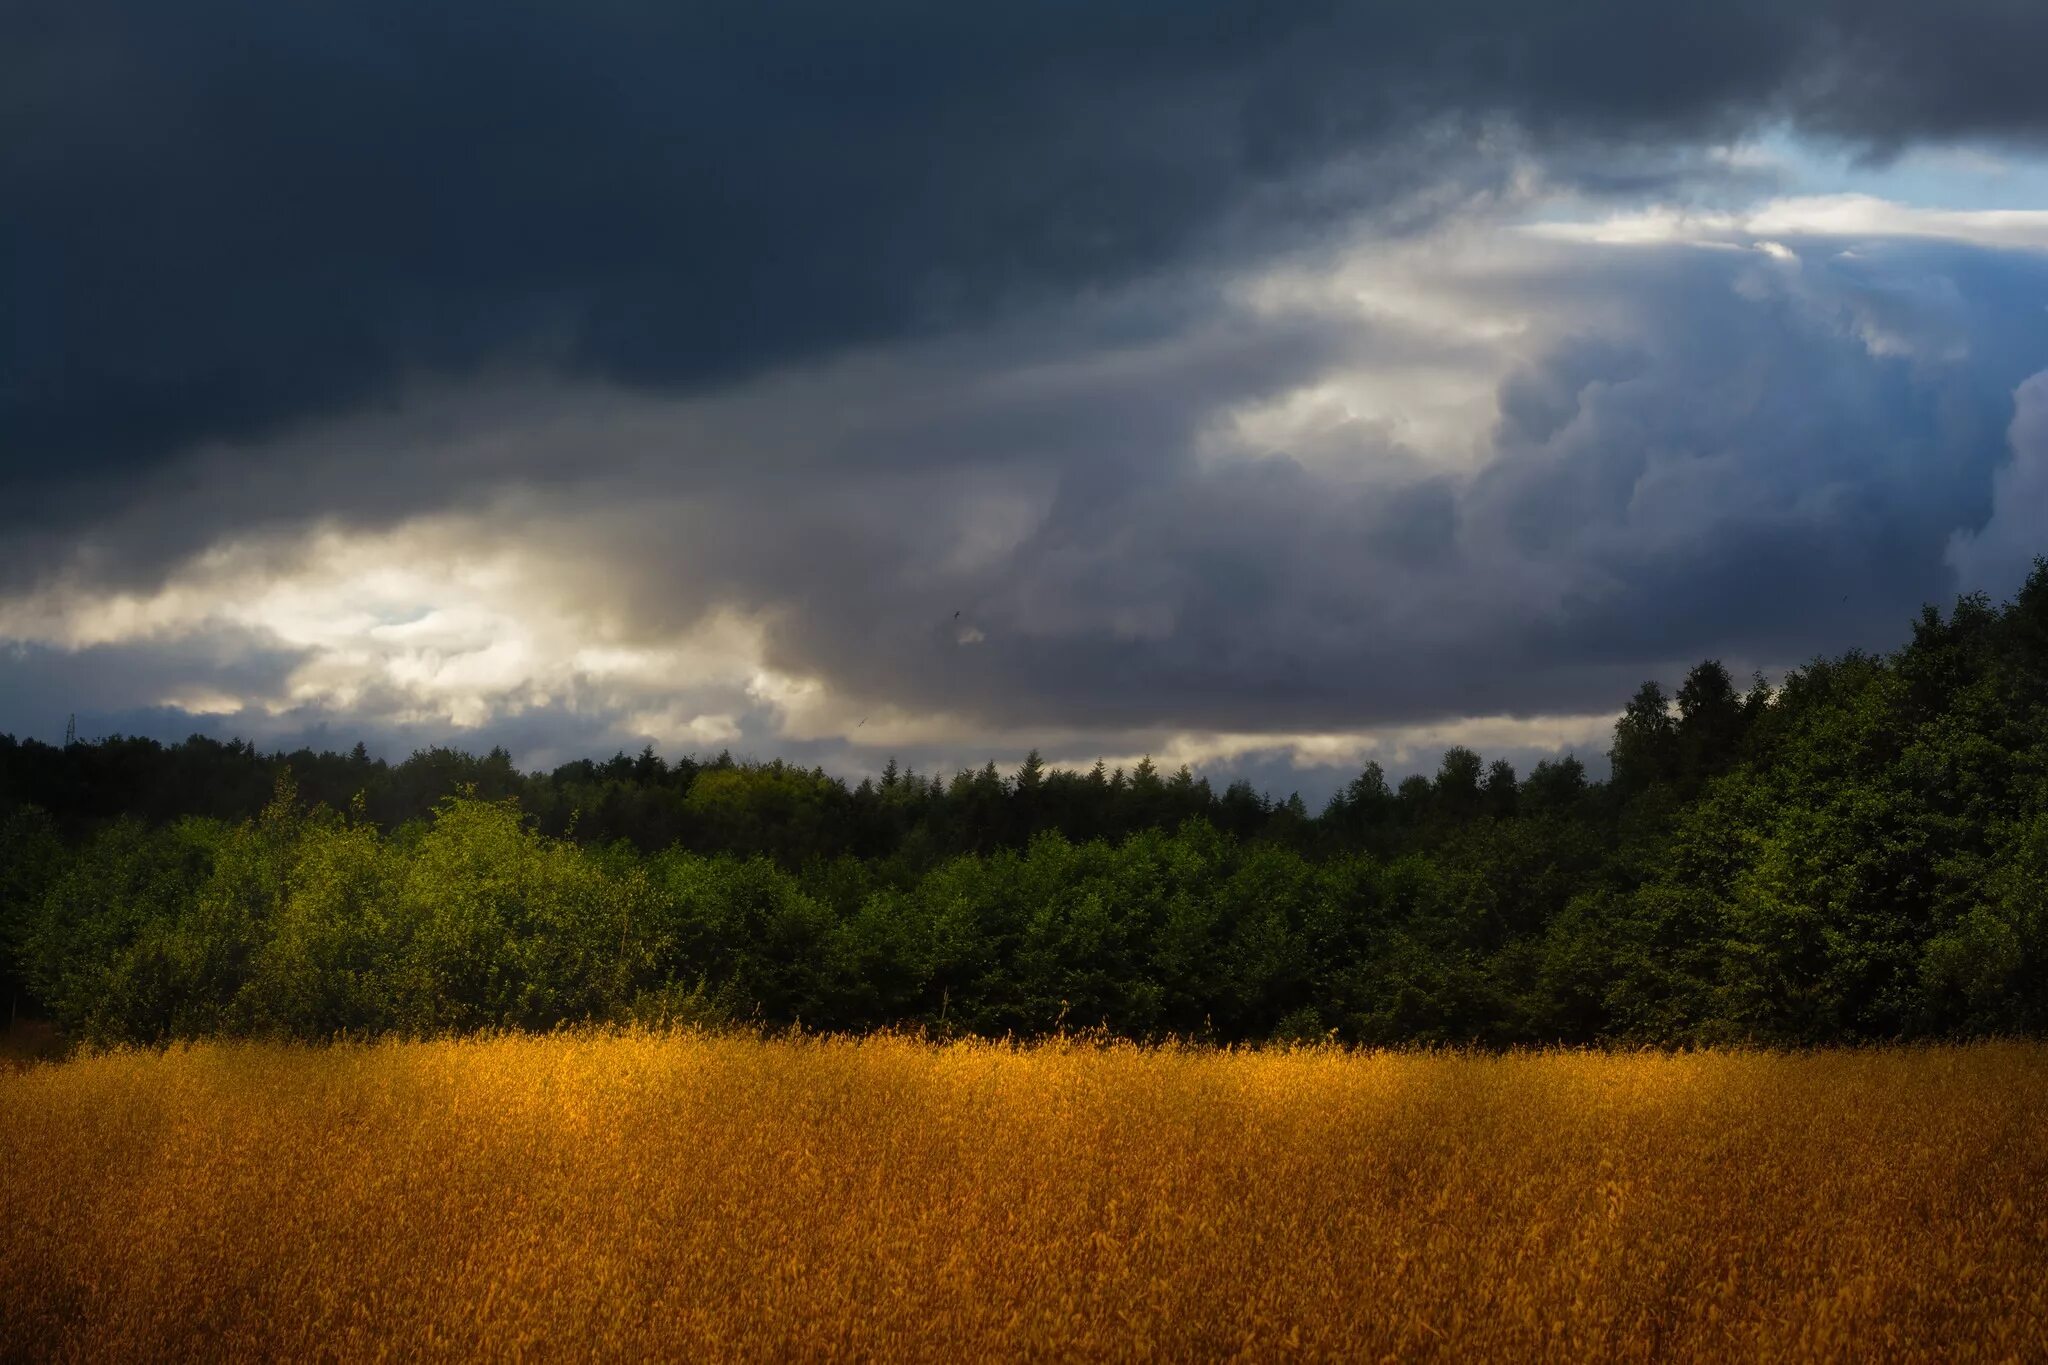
1857 853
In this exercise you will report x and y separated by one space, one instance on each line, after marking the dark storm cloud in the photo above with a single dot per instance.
849 318
45 686
1768 462
1735 456
225 217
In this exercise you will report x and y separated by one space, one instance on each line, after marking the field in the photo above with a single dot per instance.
680 1195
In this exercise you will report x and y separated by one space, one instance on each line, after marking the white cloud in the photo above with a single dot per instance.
1856 216
430 622
1997 555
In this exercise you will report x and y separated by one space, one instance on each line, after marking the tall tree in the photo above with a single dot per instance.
1645 751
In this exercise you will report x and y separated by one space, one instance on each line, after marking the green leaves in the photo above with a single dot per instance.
1861 853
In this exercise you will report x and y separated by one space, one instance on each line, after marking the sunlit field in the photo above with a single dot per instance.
687 1196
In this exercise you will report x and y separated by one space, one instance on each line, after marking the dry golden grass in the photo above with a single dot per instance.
645 1195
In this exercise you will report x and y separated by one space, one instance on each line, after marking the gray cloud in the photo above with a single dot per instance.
229 218
137 680
1714 452
841 321
1738 469
1997 556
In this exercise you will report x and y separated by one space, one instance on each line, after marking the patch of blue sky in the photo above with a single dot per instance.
1958 176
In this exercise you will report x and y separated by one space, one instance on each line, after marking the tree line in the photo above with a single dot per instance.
1859 853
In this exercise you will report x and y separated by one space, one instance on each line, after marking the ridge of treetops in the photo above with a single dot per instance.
1860 853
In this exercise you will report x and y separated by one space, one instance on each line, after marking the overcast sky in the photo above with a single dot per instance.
1265 386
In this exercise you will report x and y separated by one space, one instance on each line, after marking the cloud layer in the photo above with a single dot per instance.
1263 387
229 216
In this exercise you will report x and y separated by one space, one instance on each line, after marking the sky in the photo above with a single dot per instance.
1268 387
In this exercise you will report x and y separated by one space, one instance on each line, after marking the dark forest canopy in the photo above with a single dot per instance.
1860 853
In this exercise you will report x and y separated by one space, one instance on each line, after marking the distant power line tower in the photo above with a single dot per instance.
71 730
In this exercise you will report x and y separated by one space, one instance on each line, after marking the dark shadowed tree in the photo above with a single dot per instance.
1457 786
1554 786
1499 791
1711 721
1645 752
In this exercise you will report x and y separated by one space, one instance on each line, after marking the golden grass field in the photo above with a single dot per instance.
702 1197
